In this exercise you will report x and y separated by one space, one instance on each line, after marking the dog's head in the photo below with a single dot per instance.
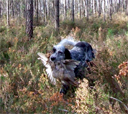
89 53
60 53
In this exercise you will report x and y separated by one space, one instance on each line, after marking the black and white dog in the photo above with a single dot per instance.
81 51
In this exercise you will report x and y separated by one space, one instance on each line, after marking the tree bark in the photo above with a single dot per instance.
126 7
104 6
45 10
12 2
110 9
65 10
29 18
23 11
72 10
0 9
7 12
68 4
93 7
99 11
37 18
86 9
118 6
80 8
49 10
57 15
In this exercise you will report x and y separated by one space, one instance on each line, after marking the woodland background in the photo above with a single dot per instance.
31 26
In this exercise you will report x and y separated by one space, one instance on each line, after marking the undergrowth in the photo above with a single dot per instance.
25 87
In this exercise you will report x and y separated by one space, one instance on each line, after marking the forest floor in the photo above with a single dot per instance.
25 87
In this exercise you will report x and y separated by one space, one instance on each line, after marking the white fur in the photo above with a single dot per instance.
68 41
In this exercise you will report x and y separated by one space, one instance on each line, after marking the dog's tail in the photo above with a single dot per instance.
68 41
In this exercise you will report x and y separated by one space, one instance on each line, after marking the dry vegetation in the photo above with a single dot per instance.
25 87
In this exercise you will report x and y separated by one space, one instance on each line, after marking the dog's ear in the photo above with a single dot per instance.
90 53
67 54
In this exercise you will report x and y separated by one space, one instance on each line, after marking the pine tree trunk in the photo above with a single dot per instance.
23 11
0 9
37 11
29 18
45 10
19 10
7 12
110 9
49 10
68 4
73 10
52 11
104 10
99 11
12 8
86 8
118 7
65 10
93 7
80 8
57 15
126 7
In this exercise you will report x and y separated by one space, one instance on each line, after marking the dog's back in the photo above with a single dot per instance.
82 52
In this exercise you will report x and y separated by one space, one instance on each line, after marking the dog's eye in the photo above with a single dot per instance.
60 52
54 50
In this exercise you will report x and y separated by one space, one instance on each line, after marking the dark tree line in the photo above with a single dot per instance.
55 10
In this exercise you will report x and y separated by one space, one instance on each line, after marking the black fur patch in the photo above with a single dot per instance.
67 54
87 48
54 50
81 44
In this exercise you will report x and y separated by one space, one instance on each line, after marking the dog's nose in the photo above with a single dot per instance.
53 58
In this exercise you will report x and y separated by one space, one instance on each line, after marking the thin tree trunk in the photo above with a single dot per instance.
57 15
29 18
104 10
52 11
24 9
68 4
110 9
65 10
7 12
99 11
93 7
19 9
37 12
12 8
86 8
80 12
0 9
119 5
73 10
45 9
80 8
49 11
126 7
